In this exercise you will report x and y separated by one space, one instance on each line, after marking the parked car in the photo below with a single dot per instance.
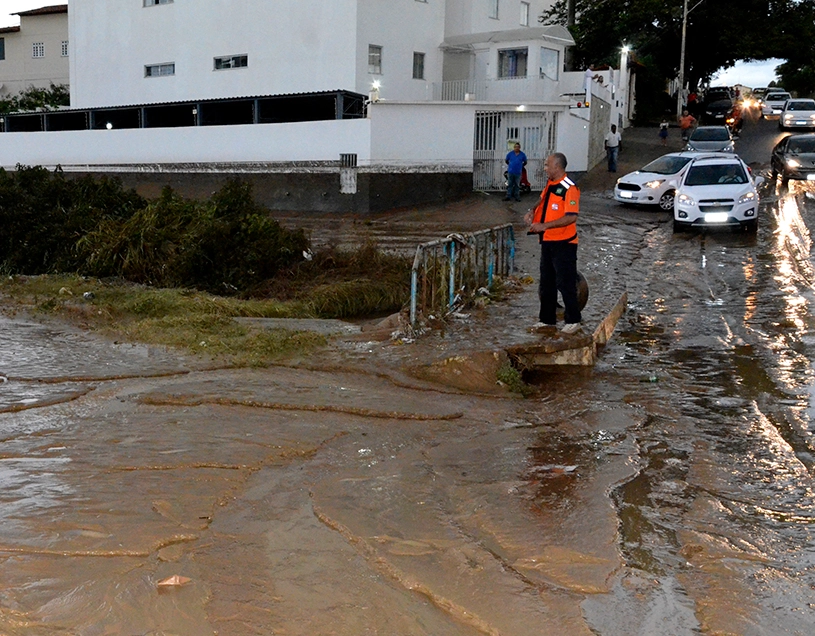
773 103
716 191
711 139
654 183
797 113
794 158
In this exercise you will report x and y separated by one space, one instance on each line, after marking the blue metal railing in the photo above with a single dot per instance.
448 271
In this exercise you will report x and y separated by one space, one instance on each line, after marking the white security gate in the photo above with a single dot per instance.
496 132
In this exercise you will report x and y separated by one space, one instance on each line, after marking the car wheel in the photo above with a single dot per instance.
785 180
774 175
678 227
751 227
666 201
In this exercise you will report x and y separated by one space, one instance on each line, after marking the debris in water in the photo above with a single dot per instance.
173 581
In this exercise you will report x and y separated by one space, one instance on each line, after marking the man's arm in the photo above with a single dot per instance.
566 219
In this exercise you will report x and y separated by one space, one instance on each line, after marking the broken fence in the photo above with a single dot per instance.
445 271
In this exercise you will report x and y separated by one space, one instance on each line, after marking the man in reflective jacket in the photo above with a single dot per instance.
555 221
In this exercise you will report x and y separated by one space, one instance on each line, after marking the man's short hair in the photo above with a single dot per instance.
560 158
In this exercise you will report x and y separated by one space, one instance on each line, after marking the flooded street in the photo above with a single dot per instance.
666 491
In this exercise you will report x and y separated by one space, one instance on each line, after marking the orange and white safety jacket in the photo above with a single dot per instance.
558 199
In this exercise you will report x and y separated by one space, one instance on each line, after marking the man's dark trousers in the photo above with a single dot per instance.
558 272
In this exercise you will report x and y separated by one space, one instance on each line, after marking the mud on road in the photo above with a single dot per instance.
665 491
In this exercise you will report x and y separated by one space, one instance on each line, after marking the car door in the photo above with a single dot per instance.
777 158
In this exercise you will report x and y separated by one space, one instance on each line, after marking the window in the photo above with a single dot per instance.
64 48
153 3
418 66
493 8
2 48
159 70
550 63
231 61
375 59
524 14
512 63
38 49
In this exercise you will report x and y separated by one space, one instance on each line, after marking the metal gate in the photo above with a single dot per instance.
496 132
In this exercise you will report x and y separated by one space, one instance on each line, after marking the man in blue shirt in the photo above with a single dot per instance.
516 160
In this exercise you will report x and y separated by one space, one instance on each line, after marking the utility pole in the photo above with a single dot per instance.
681 90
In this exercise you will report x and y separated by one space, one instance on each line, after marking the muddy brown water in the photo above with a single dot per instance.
667 491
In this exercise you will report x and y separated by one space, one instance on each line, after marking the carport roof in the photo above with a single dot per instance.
553 32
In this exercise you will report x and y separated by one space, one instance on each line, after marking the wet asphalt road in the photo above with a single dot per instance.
666 491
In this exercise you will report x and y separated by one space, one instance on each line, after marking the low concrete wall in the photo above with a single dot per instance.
316 191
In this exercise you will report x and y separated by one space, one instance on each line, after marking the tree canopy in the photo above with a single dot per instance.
719 33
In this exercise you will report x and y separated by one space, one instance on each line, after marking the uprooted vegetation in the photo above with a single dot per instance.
177 271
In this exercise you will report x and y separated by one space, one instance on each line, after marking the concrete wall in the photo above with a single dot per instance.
292 46
472 16
296 142
20 69
401 28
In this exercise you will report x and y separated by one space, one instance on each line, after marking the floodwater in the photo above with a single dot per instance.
666 491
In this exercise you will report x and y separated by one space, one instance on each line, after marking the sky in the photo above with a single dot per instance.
7 7
752 74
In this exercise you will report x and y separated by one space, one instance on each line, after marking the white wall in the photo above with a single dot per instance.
292 46
308 141
20 69
472 16
423 135
401 27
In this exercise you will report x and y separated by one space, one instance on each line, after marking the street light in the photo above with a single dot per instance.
685 12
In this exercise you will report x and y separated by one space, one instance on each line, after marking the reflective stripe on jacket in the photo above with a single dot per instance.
558 199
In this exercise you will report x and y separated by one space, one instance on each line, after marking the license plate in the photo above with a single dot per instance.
811 177
801 123
624 194
716 217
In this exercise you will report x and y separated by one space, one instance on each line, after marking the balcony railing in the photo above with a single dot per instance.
515 89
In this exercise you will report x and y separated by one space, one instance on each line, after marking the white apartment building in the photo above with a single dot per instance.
147 51
36 53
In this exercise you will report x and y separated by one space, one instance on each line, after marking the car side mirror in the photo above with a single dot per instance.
673 183
758 181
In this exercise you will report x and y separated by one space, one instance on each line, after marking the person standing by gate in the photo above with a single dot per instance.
554 219
516 160
612 143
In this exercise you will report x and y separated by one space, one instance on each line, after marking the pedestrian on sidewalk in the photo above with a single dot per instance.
554 219
515 160
663 131
613 143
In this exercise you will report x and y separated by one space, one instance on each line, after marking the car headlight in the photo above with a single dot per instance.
654 184
684 199
793 163
788 116
747 197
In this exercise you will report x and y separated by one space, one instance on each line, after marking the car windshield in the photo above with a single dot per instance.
777 97
802 145
802 105
715 174
667 165
718 133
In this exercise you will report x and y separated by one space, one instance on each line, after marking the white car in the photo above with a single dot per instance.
716 192
797 113
773 103
654 184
